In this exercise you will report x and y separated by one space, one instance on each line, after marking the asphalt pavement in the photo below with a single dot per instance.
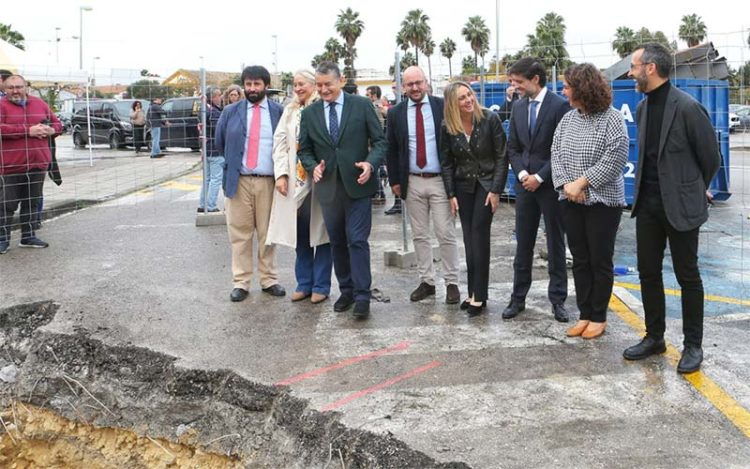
135 269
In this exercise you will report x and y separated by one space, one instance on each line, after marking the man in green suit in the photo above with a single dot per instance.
341 142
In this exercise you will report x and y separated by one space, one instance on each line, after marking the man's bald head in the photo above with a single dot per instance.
415 83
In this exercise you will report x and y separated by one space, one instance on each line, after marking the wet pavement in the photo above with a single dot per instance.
492 393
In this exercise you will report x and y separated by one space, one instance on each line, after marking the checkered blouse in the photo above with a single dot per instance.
594 145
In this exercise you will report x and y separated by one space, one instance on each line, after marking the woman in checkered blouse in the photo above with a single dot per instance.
589 152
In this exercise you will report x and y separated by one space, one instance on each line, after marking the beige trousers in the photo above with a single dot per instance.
427 196
248 212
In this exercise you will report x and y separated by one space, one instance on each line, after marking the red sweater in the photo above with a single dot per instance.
20 153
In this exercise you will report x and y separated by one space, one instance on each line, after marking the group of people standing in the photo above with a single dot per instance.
155 117
304 176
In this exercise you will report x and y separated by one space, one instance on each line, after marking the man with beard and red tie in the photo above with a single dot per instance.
244 135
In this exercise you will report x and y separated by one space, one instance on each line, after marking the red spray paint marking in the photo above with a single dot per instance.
350 361
378 387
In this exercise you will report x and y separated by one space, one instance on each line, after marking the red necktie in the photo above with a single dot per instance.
253 139
421 151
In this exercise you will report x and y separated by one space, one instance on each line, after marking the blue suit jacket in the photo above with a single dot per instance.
533 153
231 134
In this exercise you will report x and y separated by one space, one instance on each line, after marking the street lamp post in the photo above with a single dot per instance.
275 53
497 40
80 35
57 45
93 73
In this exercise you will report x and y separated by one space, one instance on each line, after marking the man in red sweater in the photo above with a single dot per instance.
26 124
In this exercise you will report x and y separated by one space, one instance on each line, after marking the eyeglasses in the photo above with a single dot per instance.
633 66
413 84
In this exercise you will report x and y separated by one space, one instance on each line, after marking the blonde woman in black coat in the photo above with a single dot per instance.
474 167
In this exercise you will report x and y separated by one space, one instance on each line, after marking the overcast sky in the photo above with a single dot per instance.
162 36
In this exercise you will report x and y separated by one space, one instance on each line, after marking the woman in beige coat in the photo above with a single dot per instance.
294 200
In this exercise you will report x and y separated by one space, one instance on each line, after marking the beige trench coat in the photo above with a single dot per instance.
283 224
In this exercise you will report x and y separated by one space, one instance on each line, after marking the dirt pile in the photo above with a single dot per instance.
162 415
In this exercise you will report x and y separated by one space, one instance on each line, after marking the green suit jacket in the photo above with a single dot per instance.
361 138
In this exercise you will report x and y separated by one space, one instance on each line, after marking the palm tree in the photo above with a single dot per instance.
447 48
549 41
477 34
287 78
428 48
692 30
468 65
12 37
350 27
406 61
402 41
644 36
625 41
333 50
416 30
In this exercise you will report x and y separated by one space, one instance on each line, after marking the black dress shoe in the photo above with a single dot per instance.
275 290
465 305
561 314
452 295
645 348
395 209
201 210
472 310
513 308
238 294
423 291
361 309
691 360
343 303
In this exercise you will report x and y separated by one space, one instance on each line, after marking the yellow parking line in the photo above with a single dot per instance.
673 292
707 387
180 186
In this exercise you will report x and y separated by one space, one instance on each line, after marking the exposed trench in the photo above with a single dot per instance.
77 402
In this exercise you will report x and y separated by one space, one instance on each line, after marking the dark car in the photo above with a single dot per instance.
65 119
110 122
180 126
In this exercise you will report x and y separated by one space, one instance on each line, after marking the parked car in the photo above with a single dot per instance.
65 120
110 122
180 129
743 114
734 122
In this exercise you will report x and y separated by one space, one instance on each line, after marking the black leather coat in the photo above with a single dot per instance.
481 159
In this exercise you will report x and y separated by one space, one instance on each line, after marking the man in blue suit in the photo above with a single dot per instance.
244 135
533 121
341 142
